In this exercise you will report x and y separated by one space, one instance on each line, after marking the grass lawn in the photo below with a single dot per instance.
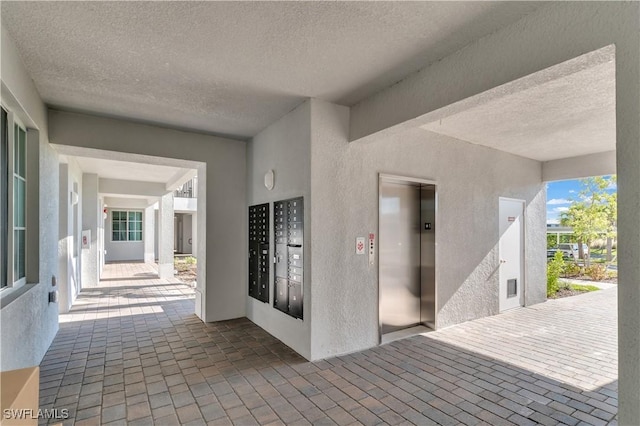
583 288
566 289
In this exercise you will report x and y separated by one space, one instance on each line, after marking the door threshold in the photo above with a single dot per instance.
403 334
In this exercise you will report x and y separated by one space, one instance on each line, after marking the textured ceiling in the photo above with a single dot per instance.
232 68
564 117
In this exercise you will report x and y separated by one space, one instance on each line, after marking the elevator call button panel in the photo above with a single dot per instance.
288 225
259 252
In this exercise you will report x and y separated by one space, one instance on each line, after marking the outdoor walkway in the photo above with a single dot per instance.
134 353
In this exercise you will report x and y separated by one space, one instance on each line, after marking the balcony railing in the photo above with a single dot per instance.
188 190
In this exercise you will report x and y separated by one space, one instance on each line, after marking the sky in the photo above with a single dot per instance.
559 195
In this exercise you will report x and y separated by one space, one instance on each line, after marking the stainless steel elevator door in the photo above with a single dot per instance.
399 256
428 254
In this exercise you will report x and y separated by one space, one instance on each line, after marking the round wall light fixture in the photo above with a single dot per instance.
269 180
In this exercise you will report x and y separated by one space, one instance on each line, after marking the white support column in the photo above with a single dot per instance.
66 297
91 218
149 230
165 236
628 158
102 217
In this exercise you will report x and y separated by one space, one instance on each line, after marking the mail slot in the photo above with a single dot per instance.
259 252
295 277
295 300
281 300
295 271
296 207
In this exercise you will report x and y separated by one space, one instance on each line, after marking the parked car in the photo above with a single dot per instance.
569 250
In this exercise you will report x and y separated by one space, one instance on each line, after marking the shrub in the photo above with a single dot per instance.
554 268
190 260
571 269
597 272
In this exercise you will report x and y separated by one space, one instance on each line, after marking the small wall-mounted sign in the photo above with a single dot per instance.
511 218
360 245
86 239
427 226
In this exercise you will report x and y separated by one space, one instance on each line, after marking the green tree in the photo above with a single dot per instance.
593 214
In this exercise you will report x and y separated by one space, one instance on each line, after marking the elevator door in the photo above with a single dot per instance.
428 255
399 256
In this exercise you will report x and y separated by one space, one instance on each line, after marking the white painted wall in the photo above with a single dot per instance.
284 147
341 203
221 176
29 323
118 251
470 179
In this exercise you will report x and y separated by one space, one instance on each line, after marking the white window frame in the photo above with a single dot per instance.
12 122
141 230
4 216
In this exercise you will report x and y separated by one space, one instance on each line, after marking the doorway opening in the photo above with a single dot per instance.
407 259
119 223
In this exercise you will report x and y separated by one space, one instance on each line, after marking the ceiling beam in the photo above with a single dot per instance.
128 203
599 164
131 188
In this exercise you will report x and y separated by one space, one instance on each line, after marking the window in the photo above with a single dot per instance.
19 203
126 226
4 198
13 201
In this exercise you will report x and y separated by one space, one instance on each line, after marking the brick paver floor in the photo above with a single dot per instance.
132 352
